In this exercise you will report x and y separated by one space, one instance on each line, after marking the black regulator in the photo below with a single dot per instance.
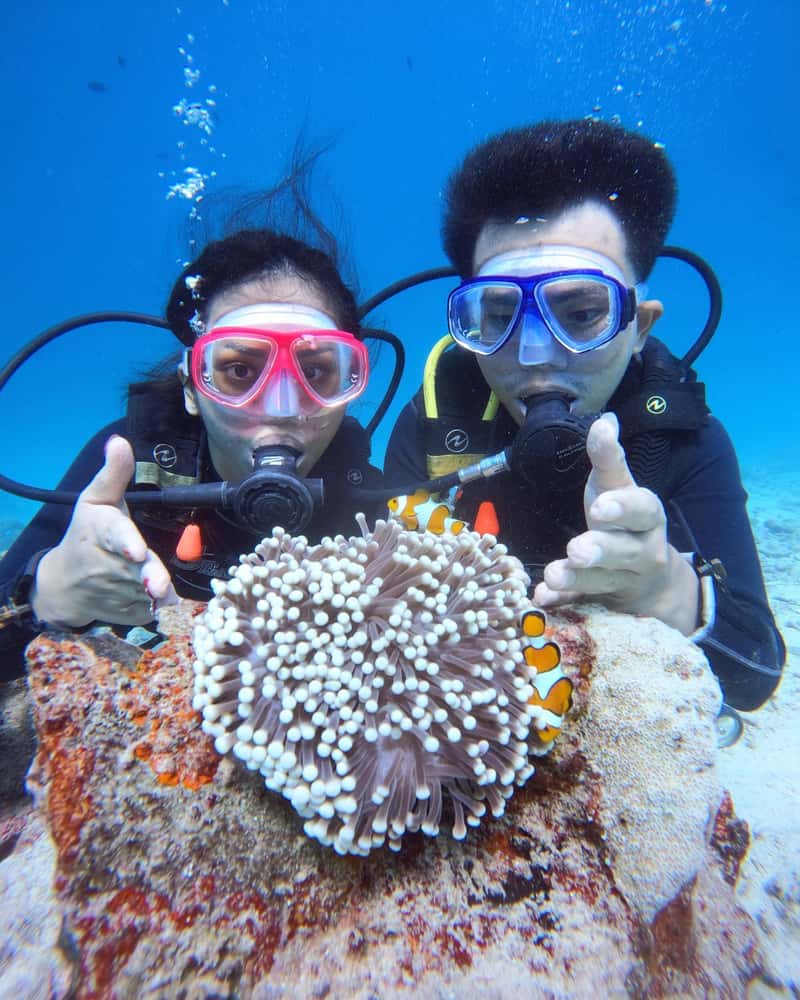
549 451
272 495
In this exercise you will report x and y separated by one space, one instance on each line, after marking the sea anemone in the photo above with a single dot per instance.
376 682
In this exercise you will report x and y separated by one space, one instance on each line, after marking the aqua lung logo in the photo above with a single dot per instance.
355 477
656 405
565 458
456 441
165 455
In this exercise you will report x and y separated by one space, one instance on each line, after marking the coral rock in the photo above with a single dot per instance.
179 875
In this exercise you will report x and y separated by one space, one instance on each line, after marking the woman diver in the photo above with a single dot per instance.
274 354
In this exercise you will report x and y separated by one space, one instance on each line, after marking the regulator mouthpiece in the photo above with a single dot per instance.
549 451
274 495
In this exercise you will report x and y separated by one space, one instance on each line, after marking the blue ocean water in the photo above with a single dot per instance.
107 105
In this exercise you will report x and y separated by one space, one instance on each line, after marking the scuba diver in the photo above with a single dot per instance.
274 353
623 489
568 430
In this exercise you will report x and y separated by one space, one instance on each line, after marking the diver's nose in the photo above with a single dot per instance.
282 396
537 346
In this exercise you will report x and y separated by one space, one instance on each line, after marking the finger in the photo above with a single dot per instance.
156 580
609 466
606 583
547 598
608 550
560 576
110 483
170 597
121 537
631 509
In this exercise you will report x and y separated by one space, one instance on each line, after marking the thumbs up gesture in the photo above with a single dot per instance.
624 560
102 570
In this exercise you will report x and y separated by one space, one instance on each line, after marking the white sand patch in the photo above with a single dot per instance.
762 770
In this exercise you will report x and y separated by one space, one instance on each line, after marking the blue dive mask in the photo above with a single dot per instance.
582 309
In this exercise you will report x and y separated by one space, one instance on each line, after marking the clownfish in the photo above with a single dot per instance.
418 512
552 689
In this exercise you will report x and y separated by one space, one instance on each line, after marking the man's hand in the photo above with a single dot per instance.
624 560
102 569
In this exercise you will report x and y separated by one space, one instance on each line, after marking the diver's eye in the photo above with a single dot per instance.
314 372
320 368
233 365
497 314
586 317
238 371
582 308
494 325
234 377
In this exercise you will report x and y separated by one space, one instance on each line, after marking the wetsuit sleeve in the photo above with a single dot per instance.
708 515
405 455
45 531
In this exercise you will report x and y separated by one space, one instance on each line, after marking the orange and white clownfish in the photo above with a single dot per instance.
552 689
418 512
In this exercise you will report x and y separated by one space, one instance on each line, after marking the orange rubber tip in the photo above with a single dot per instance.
190 546
486 522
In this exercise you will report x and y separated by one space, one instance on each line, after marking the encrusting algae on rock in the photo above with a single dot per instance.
379 680
599 879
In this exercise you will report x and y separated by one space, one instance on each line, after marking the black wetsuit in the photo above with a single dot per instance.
345 462
698 482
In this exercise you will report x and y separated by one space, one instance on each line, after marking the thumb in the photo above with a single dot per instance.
609 465
110 483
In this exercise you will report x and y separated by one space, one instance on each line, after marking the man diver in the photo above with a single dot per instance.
553 229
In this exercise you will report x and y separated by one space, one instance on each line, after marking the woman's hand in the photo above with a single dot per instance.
102 570
624 560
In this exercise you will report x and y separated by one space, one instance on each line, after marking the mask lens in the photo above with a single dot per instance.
583 310
331 370
482 314
232 367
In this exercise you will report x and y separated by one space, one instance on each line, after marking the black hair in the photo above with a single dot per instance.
248 255
272 232
543 169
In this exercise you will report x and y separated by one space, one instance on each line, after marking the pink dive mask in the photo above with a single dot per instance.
284 373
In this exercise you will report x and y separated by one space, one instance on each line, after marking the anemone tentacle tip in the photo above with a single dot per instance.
380 676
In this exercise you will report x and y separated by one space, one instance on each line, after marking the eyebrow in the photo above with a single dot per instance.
563 292
316 349
243 348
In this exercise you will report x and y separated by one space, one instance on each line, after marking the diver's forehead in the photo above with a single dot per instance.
590 226
278 288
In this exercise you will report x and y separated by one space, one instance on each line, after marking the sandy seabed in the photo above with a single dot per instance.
762 770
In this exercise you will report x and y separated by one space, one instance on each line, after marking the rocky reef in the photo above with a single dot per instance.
150 866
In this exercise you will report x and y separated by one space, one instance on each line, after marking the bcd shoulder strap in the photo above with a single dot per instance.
655 400
165 438
456 409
